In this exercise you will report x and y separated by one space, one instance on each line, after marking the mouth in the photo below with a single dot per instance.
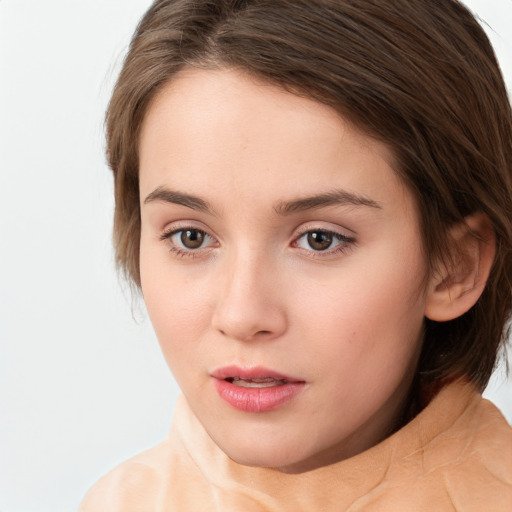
255 389
254 376
256 383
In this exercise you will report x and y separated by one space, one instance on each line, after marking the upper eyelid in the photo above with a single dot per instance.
344 239
309 227
177 226
168 233
323 230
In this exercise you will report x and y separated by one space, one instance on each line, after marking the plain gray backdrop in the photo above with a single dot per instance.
82 383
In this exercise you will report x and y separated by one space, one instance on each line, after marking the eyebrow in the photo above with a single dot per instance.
334 198
166 195
283 208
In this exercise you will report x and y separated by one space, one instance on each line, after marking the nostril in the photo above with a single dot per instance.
257 334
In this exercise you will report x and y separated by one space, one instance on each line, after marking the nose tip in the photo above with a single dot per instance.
249 320
249 306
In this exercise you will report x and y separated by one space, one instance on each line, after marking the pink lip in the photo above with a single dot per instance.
260 399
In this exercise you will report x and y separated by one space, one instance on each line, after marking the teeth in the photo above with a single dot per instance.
256 383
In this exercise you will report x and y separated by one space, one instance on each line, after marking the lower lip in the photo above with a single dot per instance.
257 399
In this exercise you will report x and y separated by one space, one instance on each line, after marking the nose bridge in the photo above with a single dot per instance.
249 304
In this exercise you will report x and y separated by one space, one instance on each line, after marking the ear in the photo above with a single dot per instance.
455 290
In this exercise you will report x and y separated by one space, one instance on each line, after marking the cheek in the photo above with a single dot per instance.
364 342
178 306
367 320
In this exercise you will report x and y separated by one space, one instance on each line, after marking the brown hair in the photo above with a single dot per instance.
419 75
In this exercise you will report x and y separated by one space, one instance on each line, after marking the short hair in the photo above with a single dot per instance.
418 75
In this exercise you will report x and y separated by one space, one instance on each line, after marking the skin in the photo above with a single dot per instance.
346 320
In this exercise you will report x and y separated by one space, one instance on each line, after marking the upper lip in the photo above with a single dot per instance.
253 372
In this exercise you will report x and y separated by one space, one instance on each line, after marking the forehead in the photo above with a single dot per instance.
210 131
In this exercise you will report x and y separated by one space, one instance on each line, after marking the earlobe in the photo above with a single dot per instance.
456 288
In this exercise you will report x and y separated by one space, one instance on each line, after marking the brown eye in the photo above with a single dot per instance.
192 238
323 241
320 240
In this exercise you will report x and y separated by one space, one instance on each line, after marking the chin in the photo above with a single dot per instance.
263 455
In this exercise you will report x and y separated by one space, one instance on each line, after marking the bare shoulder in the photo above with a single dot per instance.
132 486
480 477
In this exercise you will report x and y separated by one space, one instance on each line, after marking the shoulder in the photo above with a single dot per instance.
455 455
165 474
484 439
469 463
482 472
132 486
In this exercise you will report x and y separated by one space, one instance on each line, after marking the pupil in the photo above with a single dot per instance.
319 240
192 239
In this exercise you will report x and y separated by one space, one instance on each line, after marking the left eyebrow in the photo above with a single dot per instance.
334 198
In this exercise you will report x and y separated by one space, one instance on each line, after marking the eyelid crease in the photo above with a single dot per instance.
335 229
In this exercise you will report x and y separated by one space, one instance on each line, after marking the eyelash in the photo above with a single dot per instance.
180 251
345 242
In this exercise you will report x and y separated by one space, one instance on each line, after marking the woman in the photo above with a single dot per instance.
315 200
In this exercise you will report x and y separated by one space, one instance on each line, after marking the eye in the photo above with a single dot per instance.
320 240
190 238
187 240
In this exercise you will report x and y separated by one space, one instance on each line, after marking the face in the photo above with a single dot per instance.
281 266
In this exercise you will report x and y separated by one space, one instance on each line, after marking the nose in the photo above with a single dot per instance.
249 306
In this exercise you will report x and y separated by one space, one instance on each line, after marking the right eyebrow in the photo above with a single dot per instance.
163 194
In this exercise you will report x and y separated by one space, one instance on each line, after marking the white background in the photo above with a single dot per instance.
82 383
